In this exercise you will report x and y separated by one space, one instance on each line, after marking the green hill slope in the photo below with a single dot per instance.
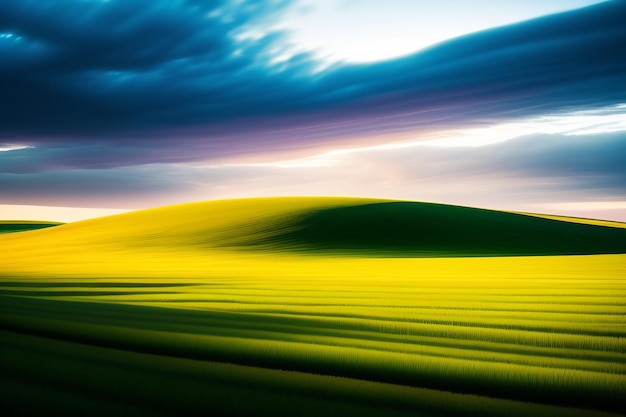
247 307
327 226
423 229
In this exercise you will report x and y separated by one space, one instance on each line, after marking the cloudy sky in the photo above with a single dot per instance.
126 104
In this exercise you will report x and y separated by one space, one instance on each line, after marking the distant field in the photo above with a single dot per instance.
608 223
315 307
11 226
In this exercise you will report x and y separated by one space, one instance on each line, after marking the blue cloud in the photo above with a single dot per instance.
127 82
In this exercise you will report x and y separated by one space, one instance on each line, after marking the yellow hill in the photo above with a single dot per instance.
276 237
407 303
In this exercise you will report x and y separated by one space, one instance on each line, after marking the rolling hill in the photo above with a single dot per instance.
314 306
330 226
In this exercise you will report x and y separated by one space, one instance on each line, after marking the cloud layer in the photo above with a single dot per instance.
95 84
527 173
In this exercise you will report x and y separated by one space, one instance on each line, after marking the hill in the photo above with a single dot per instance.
330 226
314 306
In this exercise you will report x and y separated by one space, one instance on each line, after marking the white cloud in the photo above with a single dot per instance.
586 122
371 30
6 147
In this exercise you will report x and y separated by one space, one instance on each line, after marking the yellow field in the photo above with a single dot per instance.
527 335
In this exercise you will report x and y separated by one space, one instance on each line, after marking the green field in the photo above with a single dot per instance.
11 226
315 307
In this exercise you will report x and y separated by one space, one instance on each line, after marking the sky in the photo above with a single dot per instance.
115 105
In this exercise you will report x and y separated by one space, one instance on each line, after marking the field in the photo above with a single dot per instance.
315 307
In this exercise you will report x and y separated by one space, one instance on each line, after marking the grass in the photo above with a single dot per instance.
241 308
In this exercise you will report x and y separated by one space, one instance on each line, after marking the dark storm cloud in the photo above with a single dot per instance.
74 66
101 84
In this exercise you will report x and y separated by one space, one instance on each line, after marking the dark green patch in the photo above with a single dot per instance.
406 229
78 293
19 226
53 284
